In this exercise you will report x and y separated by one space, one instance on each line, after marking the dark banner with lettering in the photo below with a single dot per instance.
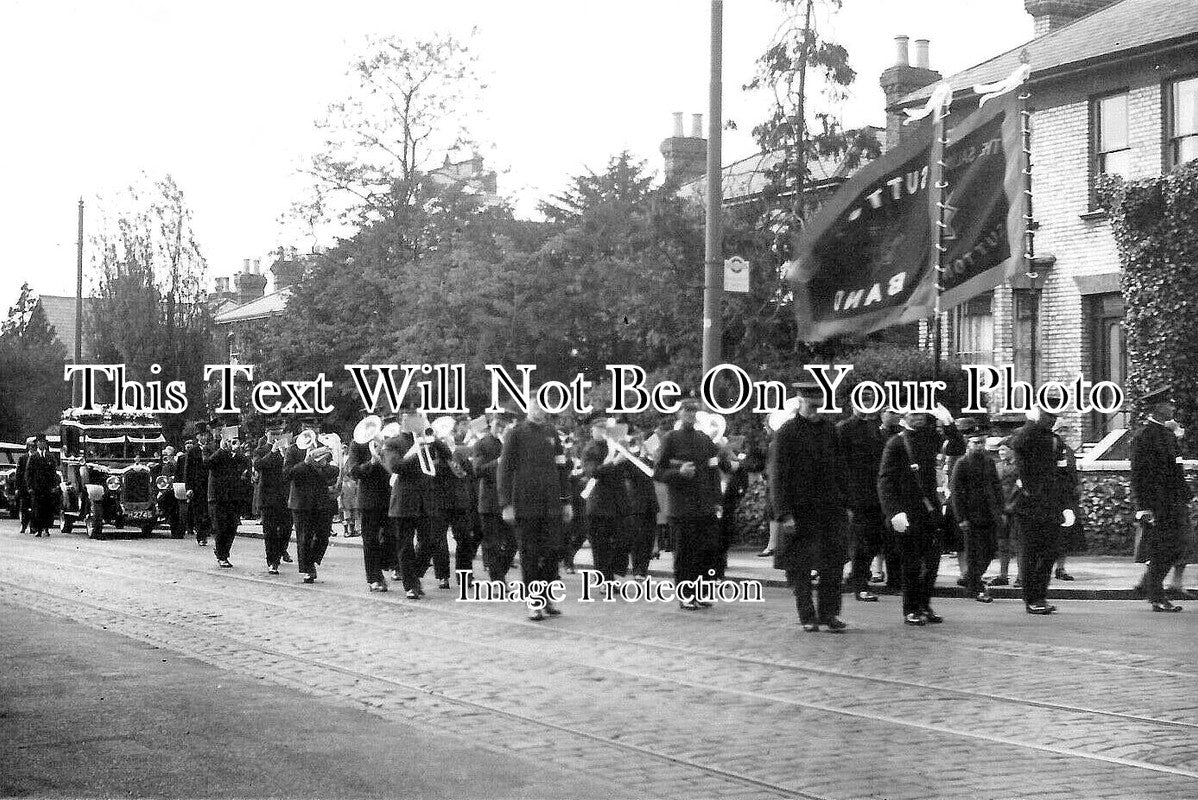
865 262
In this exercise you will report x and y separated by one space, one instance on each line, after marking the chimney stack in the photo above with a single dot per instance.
685 156
921 53
902 79
1052 15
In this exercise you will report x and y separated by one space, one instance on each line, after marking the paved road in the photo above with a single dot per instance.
1097 701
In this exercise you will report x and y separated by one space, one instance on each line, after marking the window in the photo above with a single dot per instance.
1108 354
1112 154
1026 310
973 329
1181 122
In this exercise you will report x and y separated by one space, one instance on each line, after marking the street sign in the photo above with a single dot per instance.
736 275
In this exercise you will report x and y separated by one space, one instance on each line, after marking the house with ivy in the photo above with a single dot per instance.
1113 91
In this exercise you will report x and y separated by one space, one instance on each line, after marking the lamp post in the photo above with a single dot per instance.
713 281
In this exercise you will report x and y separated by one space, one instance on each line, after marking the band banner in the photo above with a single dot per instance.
863 262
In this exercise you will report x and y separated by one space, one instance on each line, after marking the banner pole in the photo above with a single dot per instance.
940 185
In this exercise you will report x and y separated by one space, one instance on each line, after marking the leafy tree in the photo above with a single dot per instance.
149 303
32 391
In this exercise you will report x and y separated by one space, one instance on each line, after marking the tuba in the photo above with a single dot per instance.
306 439
368 429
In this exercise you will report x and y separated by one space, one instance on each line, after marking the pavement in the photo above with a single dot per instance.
271 687
1095 577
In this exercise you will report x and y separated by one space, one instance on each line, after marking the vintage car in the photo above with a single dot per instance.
8 490
106 467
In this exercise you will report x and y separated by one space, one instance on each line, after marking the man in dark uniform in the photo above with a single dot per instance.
272 495
374 495
40 479
168 466
1042 508
195 477
641 514
976 498
1162 497
689 465
807 481
498 538
605 500
309 481
861 440
23 486
892 560
411 502
533 491
908 493
224 497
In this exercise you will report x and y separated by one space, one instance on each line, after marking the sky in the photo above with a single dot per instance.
223 96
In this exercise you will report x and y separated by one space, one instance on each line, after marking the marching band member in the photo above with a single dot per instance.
374 494
463 509
640 514
412 502
272 496
605 499
224 496
689 464
498 538
195 477
534 495
861 440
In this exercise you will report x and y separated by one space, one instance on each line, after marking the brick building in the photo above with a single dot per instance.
1114 89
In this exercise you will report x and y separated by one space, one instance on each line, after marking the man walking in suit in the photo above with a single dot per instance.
861 440
1162 496
689 465
498 538
272 496
910 501
374 496
224 497
807 482
40 479
195 478
977 501
533 489
310 480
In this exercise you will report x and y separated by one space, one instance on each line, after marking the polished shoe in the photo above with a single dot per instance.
962 582
765 553
1062 575
310 578
704 603
688 605
395 576
552 610
810 627
1051 608
411 594
1166 606
999 581
982 597
1038 609
223 562
835 625
932 617
535 614
915 619
866 597
378 587
286 558
273 569
877 577
443 583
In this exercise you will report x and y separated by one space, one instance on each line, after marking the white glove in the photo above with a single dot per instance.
1069 518
942 415
1147 516
899 522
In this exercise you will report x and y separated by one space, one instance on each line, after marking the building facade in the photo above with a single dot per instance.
1113 90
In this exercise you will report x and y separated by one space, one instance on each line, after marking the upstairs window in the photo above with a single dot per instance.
1181 122
1112 153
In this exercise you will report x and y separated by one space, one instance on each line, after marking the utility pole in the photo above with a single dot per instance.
77 389
713 282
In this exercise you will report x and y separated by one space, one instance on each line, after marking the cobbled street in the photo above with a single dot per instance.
734 701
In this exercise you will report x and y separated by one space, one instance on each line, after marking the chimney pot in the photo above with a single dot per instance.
921 54
901 53
697 126
678 124
245 265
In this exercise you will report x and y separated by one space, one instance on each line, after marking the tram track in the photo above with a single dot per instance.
678 651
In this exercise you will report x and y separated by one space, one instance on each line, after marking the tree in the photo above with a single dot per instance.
32 393
413 105
149 302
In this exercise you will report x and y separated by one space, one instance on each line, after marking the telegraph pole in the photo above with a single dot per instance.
713 282
77 389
